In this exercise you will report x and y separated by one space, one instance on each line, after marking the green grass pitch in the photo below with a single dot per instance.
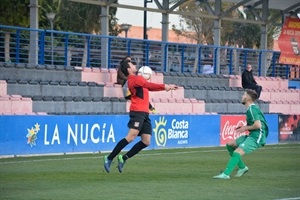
154 174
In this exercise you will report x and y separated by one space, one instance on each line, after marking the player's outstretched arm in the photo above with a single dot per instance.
170 87
154 86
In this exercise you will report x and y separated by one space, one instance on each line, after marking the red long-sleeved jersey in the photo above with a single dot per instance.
139 89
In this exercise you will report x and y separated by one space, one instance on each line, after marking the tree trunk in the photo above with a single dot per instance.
84 57
196 61
69 57
7 47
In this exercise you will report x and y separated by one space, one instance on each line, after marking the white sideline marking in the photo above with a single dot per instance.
293 198
150 154
87 157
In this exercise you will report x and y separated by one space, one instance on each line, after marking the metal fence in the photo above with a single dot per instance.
50 47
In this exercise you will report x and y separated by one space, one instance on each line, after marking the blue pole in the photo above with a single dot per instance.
42 48
165 58
273 65
230 61
199 60
66 49
215 60
147 53
109 53
18 46
182 58
287 71
128 47
88 50
259 63
245 59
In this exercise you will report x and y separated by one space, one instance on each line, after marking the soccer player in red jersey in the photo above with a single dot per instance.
139 123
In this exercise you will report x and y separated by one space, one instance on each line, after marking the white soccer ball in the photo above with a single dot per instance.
145 72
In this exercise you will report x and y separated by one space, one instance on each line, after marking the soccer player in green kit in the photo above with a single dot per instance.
258 128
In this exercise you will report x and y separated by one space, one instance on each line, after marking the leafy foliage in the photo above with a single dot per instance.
47 6
239 34
70 16
232 33
195 27
82 17
14 13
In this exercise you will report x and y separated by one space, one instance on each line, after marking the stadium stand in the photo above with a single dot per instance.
40 89
88 92
276 92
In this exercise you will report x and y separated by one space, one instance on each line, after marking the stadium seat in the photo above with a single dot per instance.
278 107
198 107
5 104
3 87
113 75
160 94
295 108
265 95
113 90
179 93
91 76
235 81
157 78
104 74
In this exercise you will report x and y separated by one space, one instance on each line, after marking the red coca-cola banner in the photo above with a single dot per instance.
289 42
228 125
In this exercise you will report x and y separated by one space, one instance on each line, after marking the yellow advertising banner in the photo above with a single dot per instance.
289 42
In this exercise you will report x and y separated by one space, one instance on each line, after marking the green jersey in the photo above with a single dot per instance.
254 113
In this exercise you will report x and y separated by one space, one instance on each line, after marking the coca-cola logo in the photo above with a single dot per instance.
229 130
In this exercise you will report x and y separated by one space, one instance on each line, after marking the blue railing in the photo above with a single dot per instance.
50 47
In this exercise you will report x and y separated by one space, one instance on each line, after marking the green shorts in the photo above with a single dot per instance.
248 144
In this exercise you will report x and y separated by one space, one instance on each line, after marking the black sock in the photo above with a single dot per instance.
150 106
118 148
134 150
128 97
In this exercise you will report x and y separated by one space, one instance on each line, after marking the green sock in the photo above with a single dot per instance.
231 149
234 160
241 164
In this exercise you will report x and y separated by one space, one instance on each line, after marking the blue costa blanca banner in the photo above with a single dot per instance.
21 135
174 131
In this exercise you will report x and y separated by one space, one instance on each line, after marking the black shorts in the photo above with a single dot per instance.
141 122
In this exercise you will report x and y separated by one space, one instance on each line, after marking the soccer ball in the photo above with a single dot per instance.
145 72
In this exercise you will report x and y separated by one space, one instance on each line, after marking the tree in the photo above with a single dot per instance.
47 6
198 28
194 27
239 35
233 33
14 13
17 13
70 16
8 10
83 18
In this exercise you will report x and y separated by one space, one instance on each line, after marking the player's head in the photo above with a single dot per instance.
126 58
249 96
128 67
249 67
